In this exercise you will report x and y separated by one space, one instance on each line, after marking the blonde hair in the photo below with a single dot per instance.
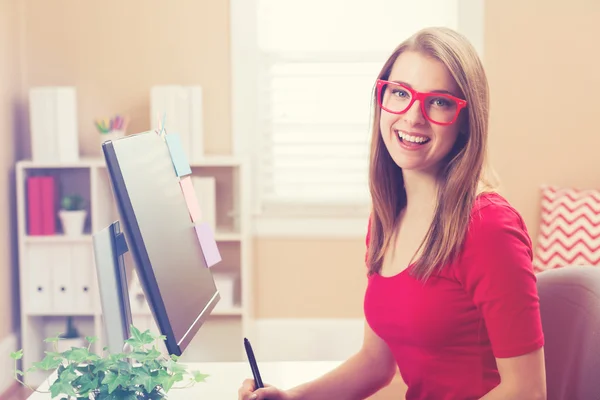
460 180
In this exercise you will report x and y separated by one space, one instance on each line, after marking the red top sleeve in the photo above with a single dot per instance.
496 270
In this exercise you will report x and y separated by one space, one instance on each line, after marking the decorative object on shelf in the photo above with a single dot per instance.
70 338
143 373
111 128
72 214
41 209
53 124
183 105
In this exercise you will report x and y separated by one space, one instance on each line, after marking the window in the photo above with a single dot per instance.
303 75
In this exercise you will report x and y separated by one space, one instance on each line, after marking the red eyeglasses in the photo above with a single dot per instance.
439 108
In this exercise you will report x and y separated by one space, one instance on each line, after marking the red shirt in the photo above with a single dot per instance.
445 333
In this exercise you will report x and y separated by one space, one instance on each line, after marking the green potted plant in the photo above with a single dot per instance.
144 373
72 214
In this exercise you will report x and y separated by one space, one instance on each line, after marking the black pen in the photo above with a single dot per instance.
253 365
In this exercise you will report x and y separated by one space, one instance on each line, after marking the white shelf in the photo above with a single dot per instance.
225 236
64 313
87 162
38 255
58 239
220 236
232 311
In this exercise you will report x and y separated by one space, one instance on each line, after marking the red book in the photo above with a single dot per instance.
48 206
34 205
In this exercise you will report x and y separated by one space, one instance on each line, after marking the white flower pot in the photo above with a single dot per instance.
72 221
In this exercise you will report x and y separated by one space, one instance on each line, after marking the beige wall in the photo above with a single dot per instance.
9 90
539 57
114 51
542 65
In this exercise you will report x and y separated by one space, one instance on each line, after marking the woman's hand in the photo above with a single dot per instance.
248 391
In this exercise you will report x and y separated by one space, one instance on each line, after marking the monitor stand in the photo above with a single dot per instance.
109 248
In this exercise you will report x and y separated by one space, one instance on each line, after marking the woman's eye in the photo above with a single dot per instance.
439 102
400 93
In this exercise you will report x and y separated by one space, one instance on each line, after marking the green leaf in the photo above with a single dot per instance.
134 343
17 355
53 339
123 367
168 384
68 374
136 334
48 363
85 384
147 355
77 354
61 387
199 376
159 377
91 339
114 380
141 377
144 338
174 367
114 358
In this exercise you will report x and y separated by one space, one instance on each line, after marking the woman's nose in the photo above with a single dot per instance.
414 115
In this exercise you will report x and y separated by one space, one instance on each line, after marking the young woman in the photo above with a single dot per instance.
451 297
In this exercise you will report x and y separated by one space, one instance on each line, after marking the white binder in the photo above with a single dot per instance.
53 124
182 110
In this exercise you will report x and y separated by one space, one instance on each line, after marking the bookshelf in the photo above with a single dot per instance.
57 273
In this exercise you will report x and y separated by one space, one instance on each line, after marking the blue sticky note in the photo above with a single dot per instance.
180 161
208 244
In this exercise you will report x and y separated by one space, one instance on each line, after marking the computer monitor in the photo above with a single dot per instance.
160 234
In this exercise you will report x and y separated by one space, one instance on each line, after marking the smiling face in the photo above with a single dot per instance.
413 141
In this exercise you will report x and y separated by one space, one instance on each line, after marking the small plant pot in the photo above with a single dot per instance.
72 222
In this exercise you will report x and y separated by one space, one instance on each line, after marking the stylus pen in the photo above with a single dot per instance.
253 365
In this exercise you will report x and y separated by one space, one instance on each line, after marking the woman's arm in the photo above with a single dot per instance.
372 368
498 273
522 378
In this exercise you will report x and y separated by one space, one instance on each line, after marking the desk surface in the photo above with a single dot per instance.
226 378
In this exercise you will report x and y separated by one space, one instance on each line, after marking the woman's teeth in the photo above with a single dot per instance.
412 139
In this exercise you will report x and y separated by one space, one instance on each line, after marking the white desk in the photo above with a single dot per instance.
226 378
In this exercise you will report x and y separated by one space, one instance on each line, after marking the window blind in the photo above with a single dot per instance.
318 60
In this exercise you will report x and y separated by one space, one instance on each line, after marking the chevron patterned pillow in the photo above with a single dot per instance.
569 228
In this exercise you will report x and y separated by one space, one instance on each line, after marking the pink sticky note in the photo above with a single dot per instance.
190 198
208 244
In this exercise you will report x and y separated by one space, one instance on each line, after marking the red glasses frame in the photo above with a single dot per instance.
416 95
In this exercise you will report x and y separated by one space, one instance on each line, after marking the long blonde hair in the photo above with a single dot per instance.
460 179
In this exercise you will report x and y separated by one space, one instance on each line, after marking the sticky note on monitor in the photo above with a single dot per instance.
187 188
180 161
208 244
